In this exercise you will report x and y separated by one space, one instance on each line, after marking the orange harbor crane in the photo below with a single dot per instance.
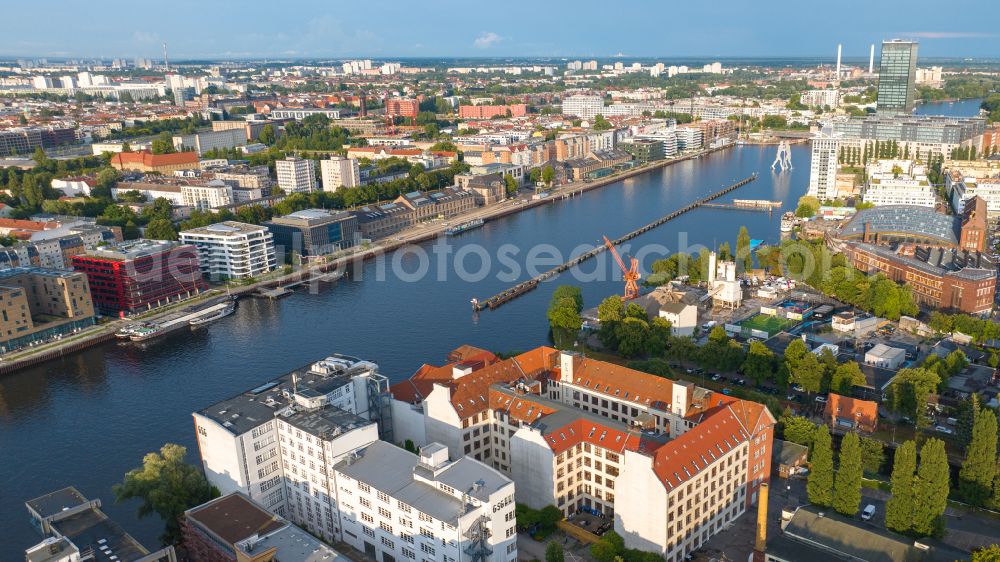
631 274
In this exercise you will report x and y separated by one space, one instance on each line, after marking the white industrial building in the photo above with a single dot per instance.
306 446
670 463
821 98
683 317
232 250
583 106
338 172
723 286
823 167
885 357
296 175
210 140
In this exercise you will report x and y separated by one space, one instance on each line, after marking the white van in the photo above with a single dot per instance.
868 512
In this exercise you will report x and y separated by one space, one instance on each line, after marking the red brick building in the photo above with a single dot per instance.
396 107
846 413
491 111
140 275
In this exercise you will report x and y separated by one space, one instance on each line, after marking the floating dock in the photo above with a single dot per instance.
525 286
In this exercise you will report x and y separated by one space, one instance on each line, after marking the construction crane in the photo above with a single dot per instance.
631 274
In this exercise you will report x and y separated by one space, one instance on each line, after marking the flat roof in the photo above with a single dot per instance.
55 502
248 409
226 228
234 518
292 544
391 469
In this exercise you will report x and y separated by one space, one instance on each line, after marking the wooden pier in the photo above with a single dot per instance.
525 286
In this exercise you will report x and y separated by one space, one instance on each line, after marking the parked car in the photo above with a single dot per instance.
943 429
726 391
868 512
716 377
798 388
821 399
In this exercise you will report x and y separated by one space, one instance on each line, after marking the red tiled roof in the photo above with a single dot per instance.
682 458
861 412
583 430
26 225
149 159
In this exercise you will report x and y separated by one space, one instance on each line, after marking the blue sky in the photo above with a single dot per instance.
391 28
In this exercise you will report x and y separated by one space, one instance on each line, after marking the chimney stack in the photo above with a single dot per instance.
839 48
871 60
760 545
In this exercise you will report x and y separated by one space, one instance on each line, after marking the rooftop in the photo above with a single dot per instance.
245 411
226 228
391 469
905 221
132 249
234 518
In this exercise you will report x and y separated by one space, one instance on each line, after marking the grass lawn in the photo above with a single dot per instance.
765 323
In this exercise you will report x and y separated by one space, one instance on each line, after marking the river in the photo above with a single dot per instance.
88 418
960 108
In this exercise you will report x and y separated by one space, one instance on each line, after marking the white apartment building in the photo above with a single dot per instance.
583 106
306 446
232 250
338 172
395 504
563 428
689 138
683 317
212 195
821 98
210 140
296 174
239 440
823 168
962 185
898 182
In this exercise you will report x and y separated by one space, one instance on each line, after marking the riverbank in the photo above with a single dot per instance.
424 232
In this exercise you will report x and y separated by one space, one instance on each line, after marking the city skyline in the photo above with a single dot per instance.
314 29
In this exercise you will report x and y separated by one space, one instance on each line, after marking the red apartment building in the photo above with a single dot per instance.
491 111
139 275
396 107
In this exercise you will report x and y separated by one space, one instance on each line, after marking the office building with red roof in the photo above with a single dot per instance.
671 463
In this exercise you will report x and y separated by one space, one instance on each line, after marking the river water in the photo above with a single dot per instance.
88 418
960 108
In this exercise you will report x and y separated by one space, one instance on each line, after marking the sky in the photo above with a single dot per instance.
511 28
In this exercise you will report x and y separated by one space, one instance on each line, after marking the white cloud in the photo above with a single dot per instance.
486 40
948 35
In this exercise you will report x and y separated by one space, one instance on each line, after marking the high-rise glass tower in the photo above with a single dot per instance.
896 76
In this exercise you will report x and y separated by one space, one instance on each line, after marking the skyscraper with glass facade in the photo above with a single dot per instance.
896 76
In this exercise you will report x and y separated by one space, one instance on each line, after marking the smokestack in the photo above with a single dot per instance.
839 48
761 541
871 60
711 267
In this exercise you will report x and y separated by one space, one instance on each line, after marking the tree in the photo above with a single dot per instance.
743 256
564 315
554 552
975 479
167 487
968 410
847 485
608 548
872 455
988 554
163 144
909 392
820 483
798 429
760 362
899 508
511 185
845 377
610 312
632 334
808 373
931 489
267 135
161 229
548 174
601 124
571 292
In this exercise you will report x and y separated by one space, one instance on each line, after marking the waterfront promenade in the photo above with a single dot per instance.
430 230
